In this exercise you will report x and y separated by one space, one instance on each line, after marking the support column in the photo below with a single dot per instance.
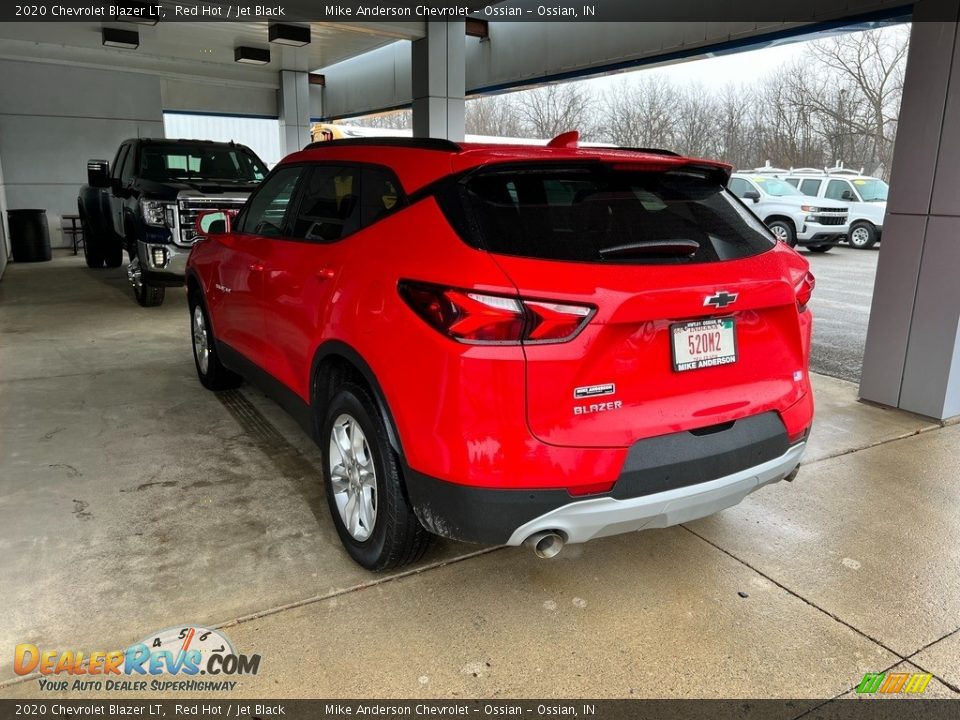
4 243
438 65
912 358
293 104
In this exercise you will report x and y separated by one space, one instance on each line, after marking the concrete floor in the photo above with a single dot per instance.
132 500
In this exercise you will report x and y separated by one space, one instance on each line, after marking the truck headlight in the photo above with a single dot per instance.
155 212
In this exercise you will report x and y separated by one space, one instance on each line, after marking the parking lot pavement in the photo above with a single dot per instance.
133 500
841 309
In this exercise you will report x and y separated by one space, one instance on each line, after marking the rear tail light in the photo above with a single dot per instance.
481 318
804 290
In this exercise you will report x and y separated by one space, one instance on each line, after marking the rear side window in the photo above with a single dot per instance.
601 214
810 187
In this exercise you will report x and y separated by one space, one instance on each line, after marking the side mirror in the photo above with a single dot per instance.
98 173
752 195
847 195
213 222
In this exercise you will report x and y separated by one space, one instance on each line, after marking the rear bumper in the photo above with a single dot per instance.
663 481
599 517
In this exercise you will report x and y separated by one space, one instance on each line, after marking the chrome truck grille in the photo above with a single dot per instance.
189 208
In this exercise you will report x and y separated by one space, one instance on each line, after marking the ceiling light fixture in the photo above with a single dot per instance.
251 55
295 35
126 39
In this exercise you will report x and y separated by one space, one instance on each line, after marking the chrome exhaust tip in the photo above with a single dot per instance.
546 545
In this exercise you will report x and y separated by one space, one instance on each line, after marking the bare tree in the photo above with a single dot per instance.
496 115
553 109
864 90
641 113
394 120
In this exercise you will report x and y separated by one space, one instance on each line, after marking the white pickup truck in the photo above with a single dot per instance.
793 217
865 195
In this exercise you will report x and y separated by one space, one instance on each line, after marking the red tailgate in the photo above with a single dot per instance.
627 345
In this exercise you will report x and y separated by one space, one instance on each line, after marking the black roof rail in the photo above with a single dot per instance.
402 142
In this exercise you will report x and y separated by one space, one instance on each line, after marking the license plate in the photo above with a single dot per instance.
703 344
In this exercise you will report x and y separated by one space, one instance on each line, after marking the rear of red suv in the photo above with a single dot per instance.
512 344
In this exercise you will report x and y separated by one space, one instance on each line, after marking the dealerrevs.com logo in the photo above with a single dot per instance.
187 651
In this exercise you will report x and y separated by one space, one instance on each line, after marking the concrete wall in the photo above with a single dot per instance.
220 97
54 118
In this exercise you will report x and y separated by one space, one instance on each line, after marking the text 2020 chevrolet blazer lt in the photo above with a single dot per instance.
511 344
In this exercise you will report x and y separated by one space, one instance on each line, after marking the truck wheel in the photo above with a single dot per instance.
783 230
819 248
863 236
364 487
113 253
91 245
213 375
150 295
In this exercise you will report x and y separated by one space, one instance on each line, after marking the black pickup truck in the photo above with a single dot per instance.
146 202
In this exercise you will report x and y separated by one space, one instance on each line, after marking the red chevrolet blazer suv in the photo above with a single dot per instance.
511 344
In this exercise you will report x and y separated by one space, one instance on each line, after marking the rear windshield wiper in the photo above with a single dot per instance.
652 247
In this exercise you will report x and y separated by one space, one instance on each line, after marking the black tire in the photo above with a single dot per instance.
397 537
91 245
784 230
863 236
113 253
149 295
215 376
819 248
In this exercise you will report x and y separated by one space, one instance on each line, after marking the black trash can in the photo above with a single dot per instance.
29 235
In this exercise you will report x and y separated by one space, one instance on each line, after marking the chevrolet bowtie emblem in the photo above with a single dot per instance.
721 299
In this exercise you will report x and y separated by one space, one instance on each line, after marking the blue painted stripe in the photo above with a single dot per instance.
201 113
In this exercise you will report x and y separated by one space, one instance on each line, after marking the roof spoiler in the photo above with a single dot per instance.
569 139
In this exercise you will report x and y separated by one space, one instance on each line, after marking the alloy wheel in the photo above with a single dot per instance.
201 340
353 477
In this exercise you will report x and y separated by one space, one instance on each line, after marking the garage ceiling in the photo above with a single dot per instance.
197 50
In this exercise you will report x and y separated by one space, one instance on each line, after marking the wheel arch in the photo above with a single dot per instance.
777 216
335 359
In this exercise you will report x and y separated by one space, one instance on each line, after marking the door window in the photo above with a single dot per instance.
266 213
118 161
836 189
126 168
739 187
810 187
330 206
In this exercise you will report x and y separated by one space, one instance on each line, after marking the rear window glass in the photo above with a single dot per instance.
602 214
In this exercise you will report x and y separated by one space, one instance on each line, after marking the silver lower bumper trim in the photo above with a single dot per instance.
598 517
